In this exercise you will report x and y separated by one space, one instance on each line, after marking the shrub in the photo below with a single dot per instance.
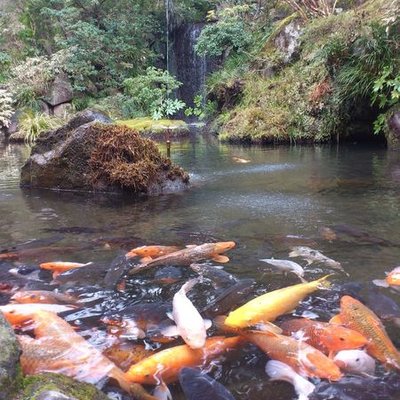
30 80
229 33
32 124
150 93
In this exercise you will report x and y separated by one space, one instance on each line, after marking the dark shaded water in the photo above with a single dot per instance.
282 198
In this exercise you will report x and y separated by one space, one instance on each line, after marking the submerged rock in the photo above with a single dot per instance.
9 358
57 387
90 154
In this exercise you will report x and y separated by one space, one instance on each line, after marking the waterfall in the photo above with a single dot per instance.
187 66
169 14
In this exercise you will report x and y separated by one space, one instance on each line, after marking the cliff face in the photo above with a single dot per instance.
313 82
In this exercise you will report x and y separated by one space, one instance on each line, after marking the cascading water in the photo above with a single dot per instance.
181 58
190 69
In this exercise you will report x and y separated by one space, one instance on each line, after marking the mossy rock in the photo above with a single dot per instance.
102 157
158 130
392 128
9 357
34 388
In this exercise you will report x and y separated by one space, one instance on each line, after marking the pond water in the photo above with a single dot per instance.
282 197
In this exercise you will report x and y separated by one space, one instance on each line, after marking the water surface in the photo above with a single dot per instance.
284 196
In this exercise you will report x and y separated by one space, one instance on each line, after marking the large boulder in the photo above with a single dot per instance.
287 41
90 154
9 358
60 91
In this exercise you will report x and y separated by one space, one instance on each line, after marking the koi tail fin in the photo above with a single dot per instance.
323 283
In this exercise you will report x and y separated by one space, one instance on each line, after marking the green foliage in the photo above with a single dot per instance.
32 124
341 59
201 109
30 80
150 93
369 56
229 33
108 41
386 93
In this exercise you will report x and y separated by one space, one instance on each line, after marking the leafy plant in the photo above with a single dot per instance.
386 90
150 93
201 109
386 93
228 33
32 124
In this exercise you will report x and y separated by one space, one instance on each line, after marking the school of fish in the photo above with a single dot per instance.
299 349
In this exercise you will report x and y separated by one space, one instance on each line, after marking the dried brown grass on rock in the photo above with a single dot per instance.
122 157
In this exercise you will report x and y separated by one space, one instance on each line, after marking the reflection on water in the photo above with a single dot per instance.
282 198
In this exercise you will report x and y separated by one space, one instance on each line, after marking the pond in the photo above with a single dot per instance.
266 199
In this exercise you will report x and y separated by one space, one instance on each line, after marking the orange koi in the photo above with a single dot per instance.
328 338
147 252
303 358
355 315
17 314
166 364
58 267
58 348
188 256
392 279
42 296
125 354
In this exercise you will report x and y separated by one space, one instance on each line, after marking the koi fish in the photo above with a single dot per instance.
124 354
9 256
286 266
303 358
189 323
58 267
17 314
312 256
58 348
167 363
188 256
355 362
279 371
392 279
271 305
355 315
197 385
325 337
241 160
42 296
140 319
147 252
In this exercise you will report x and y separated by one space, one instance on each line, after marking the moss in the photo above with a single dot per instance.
159 126
300 101
33 386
